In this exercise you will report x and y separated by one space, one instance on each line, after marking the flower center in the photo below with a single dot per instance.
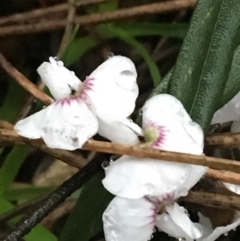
151 134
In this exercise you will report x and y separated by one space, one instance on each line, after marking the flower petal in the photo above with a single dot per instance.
132 177
118 132
59 79
177 132
126 219
113 89
176 223
232 187
217 232
66 124
229 112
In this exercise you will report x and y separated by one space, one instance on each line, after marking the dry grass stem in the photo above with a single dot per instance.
213 200
69 27
24 81
57 213
225 140
98 18
45 12
10 137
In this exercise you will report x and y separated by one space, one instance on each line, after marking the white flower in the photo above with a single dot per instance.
58 79
167 126
147 184
135 219
210 234
102 103
229 112
165 117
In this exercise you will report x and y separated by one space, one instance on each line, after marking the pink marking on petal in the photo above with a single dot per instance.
162 133
87 86
68 100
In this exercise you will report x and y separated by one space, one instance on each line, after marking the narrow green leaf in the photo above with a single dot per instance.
13 103
11 165
177 30
85 221
164 84
205 59
233 83
77 48
26 193
108 30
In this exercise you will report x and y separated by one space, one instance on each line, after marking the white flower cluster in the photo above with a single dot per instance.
145 189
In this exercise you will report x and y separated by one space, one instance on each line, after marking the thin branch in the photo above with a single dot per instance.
45 12
73 159
226 140
10 136
69 27
224 176
25 225
21 208
98 18
23 81
57 213
213 200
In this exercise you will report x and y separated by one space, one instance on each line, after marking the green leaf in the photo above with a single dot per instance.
11 165
233 83
85 221
38 233
77 48
177 30
13 103
164 84
26 193
108 30
205 59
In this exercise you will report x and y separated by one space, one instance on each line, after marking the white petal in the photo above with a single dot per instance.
177 131
66 124
232 187
113 89
229 112
117 132
59 79
132 177
211 236
235 127
177 223
126 219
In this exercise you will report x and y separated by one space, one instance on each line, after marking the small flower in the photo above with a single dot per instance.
173 130
103 101
135 219
153 185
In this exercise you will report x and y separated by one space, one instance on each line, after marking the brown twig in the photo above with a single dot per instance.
74 160
226 140
98 18
10 136
224 176
21 208
69 27
57 213
23 81
213 200
44 12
